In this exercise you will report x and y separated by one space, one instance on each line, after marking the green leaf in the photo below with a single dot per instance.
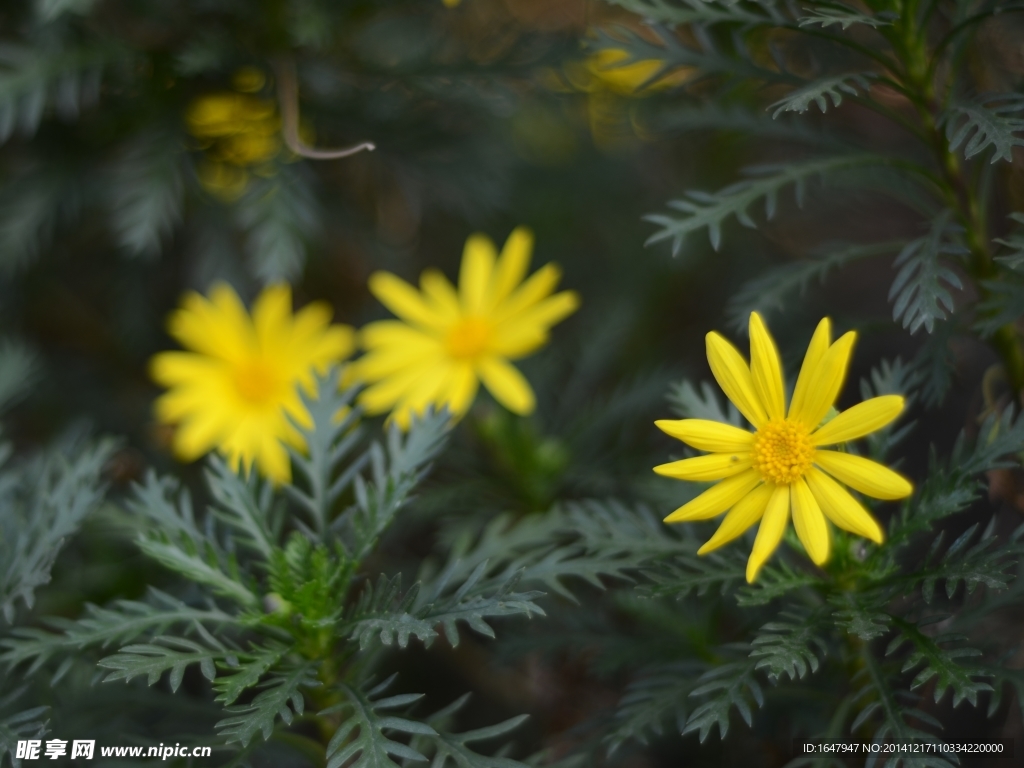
880 699
790 647
1015 243
447 749
33 78
279 217
703 11
861 615
241 503
701 210
251 668
777 288
687 403
146 192
185 558
659 694
1004 304
122 621
48 10
919 291
775 580
983 564
729 685
19 724
687 574
361 741
991 120
820 91
281 696
325 470
43 501
844 16
165 654
942 663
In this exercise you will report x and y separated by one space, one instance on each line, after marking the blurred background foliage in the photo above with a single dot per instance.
146 151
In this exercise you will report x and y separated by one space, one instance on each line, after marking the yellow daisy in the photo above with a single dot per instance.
446 341
238 385
782 466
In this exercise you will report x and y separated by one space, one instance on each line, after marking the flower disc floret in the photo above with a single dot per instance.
783 468
782 451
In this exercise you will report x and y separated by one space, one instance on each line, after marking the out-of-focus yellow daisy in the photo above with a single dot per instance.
610 83
446 342
238 132
238 384
782 466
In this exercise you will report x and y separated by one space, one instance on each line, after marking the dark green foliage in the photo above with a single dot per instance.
659 694
920 291
988 121
725 686
702 209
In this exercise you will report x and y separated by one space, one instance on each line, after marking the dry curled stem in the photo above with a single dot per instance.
288 95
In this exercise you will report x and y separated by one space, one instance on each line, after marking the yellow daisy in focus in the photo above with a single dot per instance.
783 467
447 341
238 384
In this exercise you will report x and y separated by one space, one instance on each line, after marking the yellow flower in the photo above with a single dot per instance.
238 385
783 466
606 67
446 341
238 133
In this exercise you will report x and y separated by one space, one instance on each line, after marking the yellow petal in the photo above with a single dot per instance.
475 273
766 370
747 511
810 523
441 293
425 393
705 435
547 312
514 341
820 342
383 395
460 389
507 384
769 533
703 469
538 286
394 333
825 382
404 300
511 267
733 376
862 419
389 361
864 475
841 508
716 499
271 317
219 326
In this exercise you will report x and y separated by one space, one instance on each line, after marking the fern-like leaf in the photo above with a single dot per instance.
452 750
728 685
941 663
789 647
920 293
281 697
820 92
702 11
843 15
990 121
361 741
279 217
164 654
660 694
701 210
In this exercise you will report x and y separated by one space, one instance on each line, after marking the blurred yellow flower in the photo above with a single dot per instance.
782 466
446 342
451 3
238 384
239 134
610 83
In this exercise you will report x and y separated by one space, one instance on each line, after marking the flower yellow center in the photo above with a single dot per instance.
468 338
782 451
256 382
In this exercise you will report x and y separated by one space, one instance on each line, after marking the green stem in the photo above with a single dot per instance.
960 196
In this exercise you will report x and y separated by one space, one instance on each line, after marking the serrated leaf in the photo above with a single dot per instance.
819 92
989 121
281 696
